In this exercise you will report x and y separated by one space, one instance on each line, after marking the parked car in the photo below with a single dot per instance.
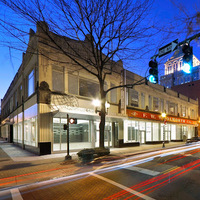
193 139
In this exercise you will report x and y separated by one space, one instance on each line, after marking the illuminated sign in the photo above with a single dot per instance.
152 116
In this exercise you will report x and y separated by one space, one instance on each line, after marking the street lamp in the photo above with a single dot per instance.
164 116
97 104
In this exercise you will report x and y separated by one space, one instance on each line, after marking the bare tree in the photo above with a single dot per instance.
188 18
114 29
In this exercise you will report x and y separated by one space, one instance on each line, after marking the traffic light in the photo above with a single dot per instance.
153 72
65 127
187 58
73 120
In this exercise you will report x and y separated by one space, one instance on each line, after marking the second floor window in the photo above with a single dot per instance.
31 83
58 79
155 104
133 98
142 100
113 94
73 84
88 88
171 108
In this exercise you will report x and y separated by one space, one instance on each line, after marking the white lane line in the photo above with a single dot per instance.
16 194
123 187
144 171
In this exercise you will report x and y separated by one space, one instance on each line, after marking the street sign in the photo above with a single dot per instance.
168 48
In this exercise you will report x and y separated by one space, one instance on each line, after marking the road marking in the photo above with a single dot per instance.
16 194
123 187
170 170
144 171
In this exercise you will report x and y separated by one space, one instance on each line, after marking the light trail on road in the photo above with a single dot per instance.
179 171
139 159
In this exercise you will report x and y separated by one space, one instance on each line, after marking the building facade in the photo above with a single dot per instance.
44 91
174 75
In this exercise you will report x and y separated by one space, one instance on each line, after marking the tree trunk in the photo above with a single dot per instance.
103 117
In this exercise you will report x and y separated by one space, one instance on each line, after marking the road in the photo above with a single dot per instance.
168 174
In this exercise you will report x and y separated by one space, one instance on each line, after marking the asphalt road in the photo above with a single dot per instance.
172 175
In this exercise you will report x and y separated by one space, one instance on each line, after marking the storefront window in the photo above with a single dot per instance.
77 133
173 132
155 132
131 131
148 131
15 132
30 126
20 128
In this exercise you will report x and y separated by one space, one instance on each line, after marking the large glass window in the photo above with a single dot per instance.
148 131
155 131
173 132
20 128
131 132
77 133
88 88
30 126
31 83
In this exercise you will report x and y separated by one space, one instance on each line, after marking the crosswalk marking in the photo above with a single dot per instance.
16 194
123 187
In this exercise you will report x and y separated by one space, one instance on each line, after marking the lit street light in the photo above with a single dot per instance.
97 104
164 116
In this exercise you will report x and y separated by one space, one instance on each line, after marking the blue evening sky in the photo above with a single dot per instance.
164 12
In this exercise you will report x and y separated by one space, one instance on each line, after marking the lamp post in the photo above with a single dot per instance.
163 116
97 104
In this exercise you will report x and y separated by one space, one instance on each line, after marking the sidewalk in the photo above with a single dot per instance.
17 154
19 167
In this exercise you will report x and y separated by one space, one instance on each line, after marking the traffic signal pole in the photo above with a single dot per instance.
187 58
173 46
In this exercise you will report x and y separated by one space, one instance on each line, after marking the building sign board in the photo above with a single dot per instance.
152 116
168 48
